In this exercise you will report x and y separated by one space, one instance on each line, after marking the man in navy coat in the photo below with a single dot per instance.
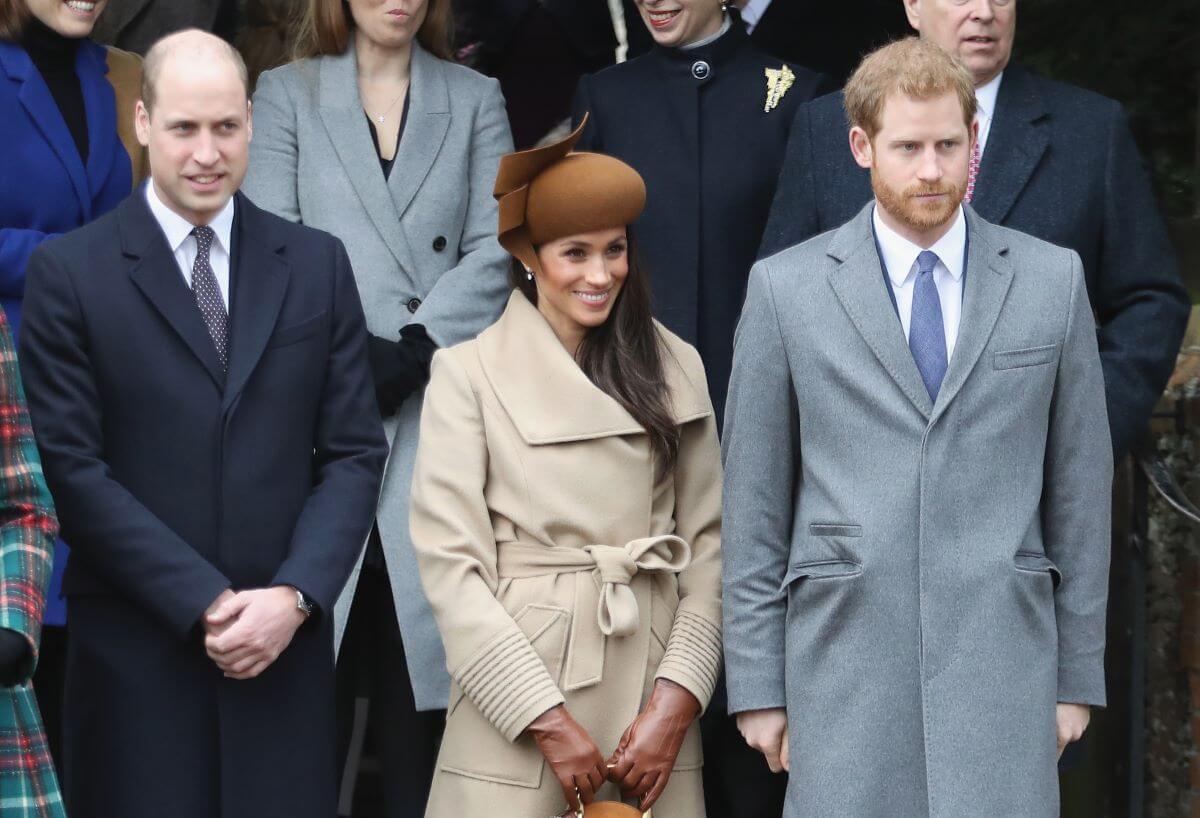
1057 162
197 377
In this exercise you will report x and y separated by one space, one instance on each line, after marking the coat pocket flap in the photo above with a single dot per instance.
820 569
835 529
298 331
1017 358
1038 563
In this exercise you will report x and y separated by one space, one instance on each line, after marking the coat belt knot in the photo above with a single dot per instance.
615 602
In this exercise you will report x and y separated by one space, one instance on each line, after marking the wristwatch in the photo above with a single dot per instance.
303 604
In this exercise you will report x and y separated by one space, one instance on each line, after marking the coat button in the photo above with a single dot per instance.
700 69
413 304
439 244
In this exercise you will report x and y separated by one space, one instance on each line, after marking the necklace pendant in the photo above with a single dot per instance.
379 119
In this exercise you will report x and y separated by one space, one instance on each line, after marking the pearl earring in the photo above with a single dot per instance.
528 274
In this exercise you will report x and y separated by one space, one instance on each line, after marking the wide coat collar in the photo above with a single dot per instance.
259 277
386 199
548 397
857 280
99 102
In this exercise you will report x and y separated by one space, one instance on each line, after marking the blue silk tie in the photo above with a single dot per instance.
926 333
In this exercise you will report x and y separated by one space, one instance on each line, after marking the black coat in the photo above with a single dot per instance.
175 481
829 37
711 157
1060 164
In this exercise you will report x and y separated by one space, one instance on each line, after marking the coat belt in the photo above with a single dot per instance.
613 598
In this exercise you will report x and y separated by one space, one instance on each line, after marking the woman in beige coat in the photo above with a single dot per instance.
566 518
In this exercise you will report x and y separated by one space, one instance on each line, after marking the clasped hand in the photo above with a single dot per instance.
643 760
245 632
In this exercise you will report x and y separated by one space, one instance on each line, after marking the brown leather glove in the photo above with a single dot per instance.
642 764
572 755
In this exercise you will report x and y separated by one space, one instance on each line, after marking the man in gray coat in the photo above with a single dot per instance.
916 525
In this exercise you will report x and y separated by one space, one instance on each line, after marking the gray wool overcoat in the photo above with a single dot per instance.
917 584
422 242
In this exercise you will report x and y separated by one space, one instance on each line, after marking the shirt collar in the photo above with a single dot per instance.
985 97
900 254
176 228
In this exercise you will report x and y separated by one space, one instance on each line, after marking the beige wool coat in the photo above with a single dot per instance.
558 569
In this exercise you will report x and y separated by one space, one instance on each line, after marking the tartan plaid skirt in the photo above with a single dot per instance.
28 785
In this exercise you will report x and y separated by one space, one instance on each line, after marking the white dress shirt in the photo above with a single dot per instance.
178 232
752 12
985 108
900 259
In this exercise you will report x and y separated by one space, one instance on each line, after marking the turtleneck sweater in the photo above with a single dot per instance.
53 55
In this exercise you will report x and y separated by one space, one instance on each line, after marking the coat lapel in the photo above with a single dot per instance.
100 102
548 397
858 284
1014 148
156 273
984 290
259 279
345 122
35 97
425 130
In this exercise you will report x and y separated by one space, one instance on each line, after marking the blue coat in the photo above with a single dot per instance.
45 189
174 481
1061 165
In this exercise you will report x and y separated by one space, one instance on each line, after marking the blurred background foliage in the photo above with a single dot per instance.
1145 54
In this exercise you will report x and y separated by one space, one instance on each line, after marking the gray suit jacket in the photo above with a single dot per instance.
422 243
918 584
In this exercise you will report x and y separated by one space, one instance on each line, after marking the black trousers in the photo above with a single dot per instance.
737 781
390 748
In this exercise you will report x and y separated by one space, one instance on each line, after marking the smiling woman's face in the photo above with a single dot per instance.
580 279
389 23
675 23
70 18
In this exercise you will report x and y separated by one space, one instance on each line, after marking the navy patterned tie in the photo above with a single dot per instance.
208 295
926 333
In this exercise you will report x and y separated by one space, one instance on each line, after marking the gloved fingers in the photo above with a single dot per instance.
645 785
619 766
570 792
630 783
650 798
583 785
596 774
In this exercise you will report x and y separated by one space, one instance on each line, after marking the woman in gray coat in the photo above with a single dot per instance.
345 140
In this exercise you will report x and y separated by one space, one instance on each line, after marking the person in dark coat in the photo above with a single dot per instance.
704 118
827 37
538 50
698 118
197 378
67 162
1057 162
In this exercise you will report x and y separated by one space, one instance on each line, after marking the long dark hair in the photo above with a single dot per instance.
623 358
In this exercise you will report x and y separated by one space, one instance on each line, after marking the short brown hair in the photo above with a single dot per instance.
152 65
13 16
914 67
325 30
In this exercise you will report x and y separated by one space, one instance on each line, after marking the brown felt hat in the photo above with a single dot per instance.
549 193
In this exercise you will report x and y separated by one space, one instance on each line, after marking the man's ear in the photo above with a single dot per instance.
912 10
861 147
249 121
141 123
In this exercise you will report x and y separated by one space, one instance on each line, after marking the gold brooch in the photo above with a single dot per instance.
779 80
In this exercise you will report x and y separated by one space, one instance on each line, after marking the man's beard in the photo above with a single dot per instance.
913 213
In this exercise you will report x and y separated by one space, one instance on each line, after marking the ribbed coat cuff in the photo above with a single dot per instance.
693 655
509 684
